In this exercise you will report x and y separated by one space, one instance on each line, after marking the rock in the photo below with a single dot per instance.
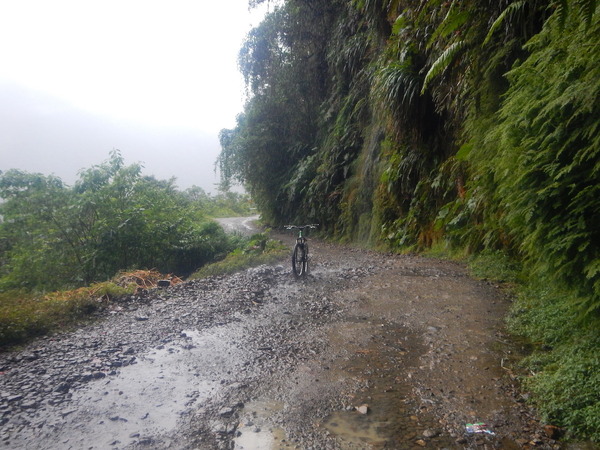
429 434
63 387
552 432
219 428
225 412
117 419
363 409
65 413
421 442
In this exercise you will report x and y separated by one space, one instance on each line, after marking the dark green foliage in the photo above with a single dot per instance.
113 218
472 122
250 252
565 369
544 155
283 62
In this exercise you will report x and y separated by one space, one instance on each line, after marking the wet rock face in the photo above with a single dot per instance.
366 342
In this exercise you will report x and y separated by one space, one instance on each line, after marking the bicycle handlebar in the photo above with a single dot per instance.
296 227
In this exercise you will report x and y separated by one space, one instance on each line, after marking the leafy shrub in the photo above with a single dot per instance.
565 368
255 250
540 161
53 236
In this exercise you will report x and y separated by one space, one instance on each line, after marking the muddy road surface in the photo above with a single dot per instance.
369 351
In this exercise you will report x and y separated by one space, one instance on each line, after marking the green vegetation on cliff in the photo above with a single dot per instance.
472 124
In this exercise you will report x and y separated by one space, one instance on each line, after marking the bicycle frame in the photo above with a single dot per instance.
300 252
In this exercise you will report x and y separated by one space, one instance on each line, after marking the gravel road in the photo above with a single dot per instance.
369 351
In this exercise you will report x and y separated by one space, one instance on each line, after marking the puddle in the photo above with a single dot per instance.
356 428
377 350
143 400
256 431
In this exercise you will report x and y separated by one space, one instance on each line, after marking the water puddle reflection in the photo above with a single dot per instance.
146 399
256 431
356 428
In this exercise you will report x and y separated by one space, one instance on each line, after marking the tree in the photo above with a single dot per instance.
112 219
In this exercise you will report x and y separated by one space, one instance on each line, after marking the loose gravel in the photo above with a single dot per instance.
369 351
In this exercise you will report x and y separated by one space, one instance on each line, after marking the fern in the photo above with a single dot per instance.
509 12
455 18
442 63
588 8
562 11
399 24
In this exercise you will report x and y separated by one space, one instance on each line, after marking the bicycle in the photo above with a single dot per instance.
300 253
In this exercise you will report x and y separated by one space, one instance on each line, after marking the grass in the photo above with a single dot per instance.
565 366
256 250
492 265
25 315
495 265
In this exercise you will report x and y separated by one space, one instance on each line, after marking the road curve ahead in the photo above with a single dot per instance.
243 225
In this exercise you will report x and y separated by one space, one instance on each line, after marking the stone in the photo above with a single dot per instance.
552 432
430 433
363 409
63 387
225 412
219 428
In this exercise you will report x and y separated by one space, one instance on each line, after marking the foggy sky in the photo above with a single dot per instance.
39 133
156 80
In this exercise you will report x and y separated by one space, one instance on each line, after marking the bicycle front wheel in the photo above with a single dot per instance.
299 260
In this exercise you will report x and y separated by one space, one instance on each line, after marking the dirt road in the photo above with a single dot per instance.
369 351
243 225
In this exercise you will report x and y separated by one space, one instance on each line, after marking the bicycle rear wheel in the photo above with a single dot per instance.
299 260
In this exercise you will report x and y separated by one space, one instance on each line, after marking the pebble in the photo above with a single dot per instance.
225 412
363 409
430 433
65 364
